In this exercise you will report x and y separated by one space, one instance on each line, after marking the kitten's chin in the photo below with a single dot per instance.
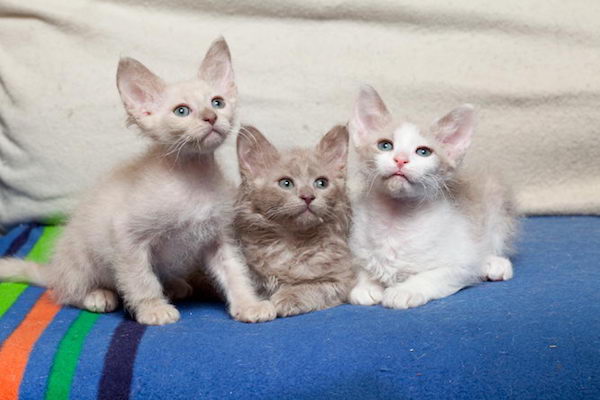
306 220
398 187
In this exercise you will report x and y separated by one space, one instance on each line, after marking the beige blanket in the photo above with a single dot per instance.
532 67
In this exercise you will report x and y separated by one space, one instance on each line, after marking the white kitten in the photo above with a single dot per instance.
423 228
154 222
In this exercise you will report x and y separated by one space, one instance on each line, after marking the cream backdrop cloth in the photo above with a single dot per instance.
532 68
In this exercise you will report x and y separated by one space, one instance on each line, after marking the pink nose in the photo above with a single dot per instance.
209 116
307 199
400 161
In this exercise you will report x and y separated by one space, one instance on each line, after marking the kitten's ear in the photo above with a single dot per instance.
217 69
141 91
454 131
370 115
255 153
333 147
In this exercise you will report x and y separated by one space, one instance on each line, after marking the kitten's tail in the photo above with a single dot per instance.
17 270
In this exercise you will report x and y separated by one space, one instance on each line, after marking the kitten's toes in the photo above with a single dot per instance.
258 312
498 268
366 295
177 289
156 312
402 298
101 301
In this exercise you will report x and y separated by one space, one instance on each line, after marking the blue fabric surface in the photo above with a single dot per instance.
537 336
534 337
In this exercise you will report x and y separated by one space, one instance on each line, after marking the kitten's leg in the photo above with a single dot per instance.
232 274
302 298
141 289
367 291
101 301
497 268
177 288
425 286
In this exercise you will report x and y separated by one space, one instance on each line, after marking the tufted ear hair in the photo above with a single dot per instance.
255 153
455 130
141 91
370 115
217 69
333 147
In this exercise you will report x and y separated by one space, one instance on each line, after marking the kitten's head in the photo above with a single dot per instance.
298 188
192 116
399 159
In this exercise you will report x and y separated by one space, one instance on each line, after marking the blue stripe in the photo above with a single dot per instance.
7 240
33 386
17 312
86 380
35 234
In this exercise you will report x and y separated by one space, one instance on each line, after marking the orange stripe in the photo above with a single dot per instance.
15 351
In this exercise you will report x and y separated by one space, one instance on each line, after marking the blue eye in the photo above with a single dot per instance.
217 102
286 183
321 183
385 145
424 151
182 111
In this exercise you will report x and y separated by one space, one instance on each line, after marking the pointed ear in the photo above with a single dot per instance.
454 131
255 153
141 91
216 68
370 115
333 147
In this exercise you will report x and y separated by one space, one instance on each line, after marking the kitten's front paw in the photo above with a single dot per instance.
286 306
257 312
101 301
366 295
498 268
177 289
402 298
156 312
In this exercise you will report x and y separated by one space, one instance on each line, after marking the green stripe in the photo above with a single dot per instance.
67 356
9 293
42 250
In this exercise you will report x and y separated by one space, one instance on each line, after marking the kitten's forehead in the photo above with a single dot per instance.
194 88
408 134
301 162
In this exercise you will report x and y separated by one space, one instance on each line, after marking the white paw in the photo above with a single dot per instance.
402 298
255 312
177 289
498 268
156 312
366 295
101 301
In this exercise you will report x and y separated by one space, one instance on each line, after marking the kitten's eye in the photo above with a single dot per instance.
182 111
286 183
321 183
217 102
424 151
385 145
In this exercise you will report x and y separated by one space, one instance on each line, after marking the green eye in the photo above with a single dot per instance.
217 102
385 145
182 111
321 183
286 183
424 151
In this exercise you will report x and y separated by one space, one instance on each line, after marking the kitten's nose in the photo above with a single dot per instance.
400 161
307 198
209 116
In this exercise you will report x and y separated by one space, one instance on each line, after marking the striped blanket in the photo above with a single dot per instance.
536 336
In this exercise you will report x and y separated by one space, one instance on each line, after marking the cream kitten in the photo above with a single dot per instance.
155 221
293 218
424 228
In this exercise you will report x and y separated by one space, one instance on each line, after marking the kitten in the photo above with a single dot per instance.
153 222
292 219
424 227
